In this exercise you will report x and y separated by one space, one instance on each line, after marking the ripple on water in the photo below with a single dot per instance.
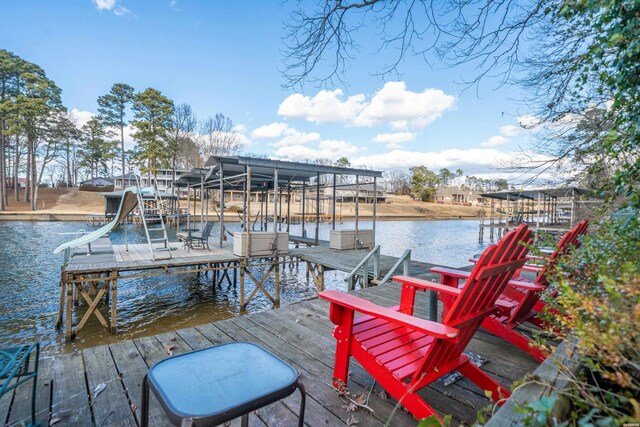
29 280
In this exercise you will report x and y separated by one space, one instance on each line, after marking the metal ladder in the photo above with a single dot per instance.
148 213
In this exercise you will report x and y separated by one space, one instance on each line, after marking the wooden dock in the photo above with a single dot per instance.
91 275
299 333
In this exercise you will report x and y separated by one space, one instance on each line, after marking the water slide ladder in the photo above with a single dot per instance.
156 234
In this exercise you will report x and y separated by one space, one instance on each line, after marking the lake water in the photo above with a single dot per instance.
30 274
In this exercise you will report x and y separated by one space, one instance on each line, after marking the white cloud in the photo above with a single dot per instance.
470 160
507 133
121 10
272 130
105 4
331 149
80 117
111 5
403 108
393 105
494 141
510 131
394 138
325 107
288 136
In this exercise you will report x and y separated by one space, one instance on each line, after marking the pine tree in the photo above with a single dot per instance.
152 124
112 108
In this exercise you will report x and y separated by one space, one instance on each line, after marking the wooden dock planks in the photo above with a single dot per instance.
299 334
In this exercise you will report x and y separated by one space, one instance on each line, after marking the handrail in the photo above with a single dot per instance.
404 260
364 265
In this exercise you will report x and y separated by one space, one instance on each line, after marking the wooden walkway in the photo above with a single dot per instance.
347 260
299 333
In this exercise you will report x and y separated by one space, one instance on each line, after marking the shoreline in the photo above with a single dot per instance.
83 217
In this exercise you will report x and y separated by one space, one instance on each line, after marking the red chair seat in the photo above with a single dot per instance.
398 349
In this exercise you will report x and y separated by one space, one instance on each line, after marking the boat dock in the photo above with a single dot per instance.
298 333
91 275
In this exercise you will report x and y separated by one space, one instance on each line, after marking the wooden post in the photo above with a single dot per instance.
68 327
375 204
304 203
288 207
317 207
275 207
333 205
221 205
276 260
246 195
357 209
241 286
63 288
248 229
113 280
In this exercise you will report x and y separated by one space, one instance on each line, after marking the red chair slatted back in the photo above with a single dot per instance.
569 241
490 276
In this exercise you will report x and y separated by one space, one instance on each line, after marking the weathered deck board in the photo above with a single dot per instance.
299 334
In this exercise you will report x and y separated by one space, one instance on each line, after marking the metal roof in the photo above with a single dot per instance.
540 192
262 173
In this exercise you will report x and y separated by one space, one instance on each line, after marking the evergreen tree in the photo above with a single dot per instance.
112 108
96 148
152 124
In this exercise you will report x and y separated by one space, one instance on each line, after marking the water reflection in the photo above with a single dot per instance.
30 273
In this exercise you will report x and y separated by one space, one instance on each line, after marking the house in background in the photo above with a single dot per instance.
364 192
164 178
458 196
98 182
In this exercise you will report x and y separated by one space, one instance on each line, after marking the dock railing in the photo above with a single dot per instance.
362 270
403 261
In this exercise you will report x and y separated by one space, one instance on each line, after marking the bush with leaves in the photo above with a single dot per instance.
598 304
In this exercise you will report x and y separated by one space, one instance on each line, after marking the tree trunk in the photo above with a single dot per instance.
27 188
34 179
3 178
68 163
16 166
122 146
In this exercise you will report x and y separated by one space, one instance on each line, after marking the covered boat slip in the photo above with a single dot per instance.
276 183
300 334
552 210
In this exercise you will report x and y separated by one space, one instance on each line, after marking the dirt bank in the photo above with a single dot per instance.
71 204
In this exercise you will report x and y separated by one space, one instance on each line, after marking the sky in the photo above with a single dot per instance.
227 57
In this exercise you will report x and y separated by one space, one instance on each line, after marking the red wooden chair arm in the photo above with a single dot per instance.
527 286
450 276
427 285
434 329
532 268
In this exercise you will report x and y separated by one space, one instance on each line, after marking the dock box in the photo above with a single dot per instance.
261 243
346 239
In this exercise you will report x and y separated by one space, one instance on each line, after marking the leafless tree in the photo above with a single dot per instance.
218 137
321 42
183 125
395 181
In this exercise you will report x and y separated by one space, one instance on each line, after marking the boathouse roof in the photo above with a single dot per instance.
533 194
263 172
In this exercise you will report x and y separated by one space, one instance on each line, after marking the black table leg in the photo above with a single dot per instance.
303 400
145 403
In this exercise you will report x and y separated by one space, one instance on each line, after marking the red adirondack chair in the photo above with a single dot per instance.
569 241
405 353
522 295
